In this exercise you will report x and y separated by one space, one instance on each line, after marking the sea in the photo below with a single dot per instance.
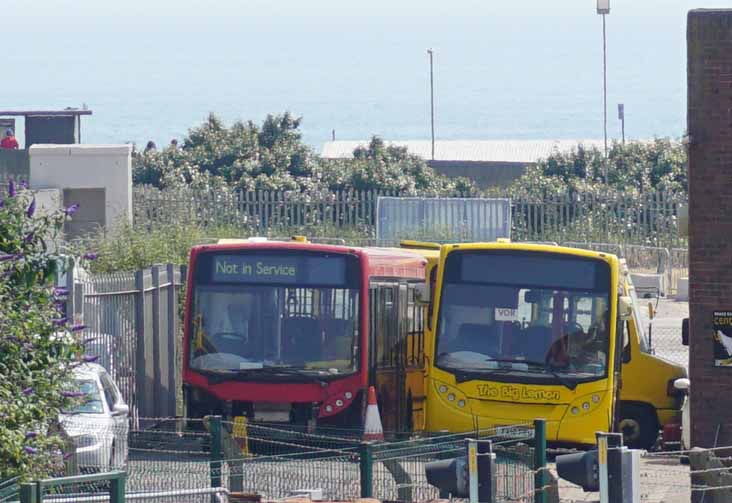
520 69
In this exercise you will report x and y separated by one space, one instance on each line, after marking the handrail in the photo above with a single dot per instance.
32 492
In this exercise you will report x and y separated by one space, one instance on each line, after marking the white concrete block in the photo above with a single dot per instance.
682 289
645 282
87 167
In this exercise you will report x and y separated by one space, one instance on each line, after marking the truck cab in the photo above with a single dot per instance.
648 398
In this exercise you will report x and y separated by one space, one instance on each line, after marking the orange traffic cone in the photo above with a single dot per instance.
372 429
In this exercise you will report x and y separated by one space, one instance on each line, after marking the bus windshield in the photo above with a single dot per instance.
277 311
525 314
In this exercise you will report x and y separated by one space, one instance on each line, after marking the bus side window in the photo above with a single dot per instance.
415 330
626 342
431 307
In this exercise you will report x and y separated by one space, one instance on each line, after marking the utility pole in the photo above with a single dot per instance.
432 102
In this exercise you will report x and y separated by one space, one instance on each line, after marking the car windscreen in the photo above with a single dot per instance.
89 400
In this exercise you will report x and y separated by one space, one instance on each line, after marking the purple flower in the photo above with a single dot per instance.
31 208
28 391
2 203
31 434
5 258
11 189
72 209
60 321
90 358
28 238
77 328
90 256
89 339
23 184
30 450
68 455
60 291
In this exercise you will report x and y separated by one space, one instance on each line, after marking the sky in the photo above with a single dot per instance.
516 68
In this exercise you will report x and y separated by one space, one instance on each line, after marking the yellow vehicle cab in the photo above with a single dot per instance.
648 398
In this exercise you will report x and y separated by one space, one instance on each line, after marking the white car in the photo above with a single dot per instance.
99 425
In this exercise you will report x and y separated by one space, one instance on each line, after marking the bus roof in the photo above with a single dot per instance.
548 248
381 262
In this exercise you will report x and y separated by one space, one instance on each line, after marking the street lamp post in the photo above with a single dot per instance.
603 8
432 103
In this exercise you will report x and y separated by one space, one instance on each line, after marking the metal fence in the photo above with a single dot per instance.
671 264
170 456
447 218
648 219
132 326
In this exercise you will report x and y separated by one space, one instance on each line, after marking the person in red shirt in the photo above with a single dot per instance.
9 142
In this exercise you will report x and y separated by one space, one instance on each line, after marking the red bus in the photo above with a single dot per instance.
295 332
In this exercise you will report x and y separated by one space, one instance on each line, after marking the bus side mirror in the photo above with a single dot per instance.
422 293
685 332
625 307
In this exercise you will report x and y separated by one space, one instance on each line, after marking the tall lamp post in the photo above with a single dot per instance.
432 103
603 8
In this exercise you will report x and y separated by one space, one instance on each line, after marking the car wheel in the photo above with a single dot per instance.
639 426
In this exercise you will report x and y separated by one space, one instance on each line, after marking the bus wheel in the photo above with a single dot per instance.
638 425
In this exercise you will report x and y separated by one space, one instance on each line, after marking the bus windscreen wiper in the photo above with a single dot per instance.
563 381
219 376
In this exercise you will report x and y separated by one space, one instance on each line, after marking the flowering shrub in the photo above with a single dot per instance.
38 348
273 157
633 168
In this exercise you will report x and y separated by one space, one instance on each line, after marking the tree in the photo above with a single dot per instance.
38 348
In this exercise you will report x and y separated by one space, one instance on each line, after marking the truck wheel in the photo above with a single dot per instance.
639 426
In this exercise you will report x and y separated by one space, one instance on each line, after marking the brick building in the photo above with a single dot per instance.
709 39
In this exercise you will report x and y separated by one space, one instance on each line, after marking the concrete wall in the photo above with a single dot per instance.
484 173
13 165
106 167
709 39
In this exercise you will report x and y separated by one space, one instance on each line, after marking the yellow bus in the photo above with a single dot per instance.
525 331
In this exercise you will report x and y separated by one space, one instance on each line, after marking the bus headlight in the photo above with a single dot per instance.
585 404
452 396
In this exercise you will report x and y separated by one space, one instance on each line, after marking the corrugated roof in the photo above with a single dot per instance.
523 151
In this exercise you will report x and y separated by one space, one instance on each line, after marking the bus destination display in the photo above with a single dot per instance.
279 269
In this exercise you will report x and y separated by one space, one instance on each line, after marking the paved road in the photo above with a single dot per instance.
666 331
662 481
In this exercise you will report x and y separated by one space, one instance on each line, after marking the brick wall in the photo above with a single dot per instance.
709 39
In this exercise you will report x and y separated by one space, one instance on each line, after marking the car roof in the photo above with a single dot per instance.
89 370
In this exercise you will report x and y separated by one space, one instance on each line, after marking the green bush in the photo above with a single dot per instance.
632 169
37 347
273 157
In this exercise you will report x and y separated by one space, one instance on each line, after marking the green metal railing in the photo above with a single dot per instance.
9 489
36 492
210 455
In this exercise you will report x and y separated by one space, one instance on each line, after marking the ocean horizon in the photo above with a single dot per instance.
527 70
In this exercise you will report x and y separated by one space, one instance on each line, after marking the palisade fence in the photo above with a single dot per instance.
132 325
648 219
